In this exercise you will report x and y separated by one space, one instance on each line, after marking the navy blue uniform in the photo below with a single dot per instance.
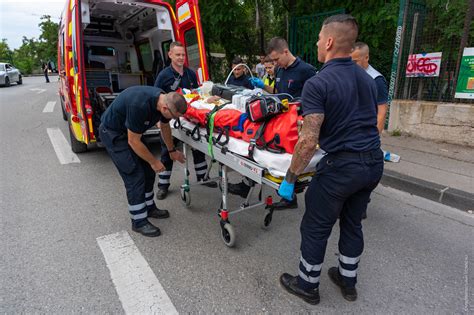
346 176
243 80
134 109
292 79
170 80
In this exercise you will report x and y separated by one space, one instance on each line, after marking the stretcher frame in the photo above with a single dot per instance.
227 160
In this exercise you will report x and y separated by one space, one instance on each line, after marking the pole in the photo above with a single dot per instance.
396 54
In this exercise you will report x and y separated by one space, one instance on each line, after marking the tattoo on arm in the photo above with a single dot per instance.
307 143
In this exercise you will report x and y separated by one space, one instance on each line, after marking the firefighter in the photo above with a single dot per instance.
340 113
291 75
134 111
170 79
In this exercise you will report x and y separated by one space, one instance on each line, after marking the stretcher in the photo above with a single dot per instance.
266 170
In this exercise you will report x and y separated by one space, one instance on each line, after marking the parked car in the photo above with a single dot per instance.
9 74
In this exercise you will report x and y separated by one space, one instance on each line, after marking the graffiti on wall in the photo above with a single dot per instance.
424 65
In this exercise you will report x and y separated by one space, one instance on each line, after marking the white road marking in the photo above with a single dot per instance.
49 108
137 286
62 147
38 91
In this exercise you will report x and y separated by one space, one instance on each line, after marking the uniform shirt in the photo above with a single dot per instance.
134 109
291 80
381 83
243 80
168 76
347 97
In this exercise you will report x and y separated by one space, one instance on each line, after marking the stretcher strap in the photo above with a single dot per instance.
210 125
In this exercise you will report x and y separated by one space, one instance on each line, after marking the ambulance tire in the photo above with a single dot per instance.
76 146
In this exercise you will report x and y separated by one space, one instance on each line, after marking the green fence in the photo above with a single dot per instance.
303 35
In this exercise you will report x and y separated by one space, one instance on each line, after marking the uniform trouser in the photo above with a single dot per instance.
200 166
137 174
341 189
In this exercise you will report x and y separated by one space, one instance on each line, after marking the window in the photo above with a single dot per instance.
2 67
147 58
101 51
165 48
75 61
61 51
192 49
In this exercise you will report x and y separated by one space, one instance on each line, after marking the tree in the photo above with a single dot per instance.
48 40
5 51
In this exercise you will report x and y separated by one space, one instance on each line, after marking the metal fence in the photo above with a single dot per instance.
303 35
428 48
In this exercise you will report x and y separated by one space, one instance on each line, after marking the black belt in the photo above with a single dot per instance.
356 155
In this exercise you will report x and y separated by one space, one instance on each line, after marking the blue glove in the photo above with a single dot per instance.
256 82
286 190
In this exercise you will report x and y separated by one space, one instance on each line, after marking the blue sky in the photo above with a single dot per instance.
20 18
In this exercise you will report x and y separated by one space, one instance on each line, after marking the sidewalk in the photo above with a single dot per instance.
437 171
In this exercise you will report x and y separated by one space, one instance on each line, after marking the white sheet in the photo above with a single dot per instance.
276 163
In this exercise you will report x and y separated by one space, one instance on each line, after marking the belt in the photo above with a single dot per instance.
365 155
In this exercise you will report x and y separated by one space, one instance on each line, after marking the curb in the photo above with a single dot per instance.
446 195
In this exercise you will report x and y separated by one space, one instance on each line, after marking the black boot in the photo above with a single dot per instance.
241 189
285 204
290 283
154 212
162 193
145 228
349 293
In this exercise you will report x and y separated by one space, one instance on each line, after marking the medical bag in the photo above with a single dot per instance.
278 134
263 107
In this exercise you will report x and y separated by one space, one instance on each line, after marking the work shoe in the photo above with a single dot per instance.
290 284
241 189
158 213
285 204
349 293
161 194
146 229
210 184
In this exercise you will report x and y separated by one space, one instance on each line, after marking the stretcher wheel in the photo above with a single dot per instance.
267 219
228 234
185 197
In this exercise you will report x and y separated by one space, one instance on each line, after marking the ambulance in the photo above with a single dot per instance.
106 46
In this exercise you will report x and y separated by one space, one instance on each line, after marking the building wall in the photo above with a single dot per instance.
446 122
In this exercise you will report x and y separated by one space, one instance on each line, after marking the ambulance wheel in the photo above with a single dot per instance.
62 109
185 197
76 145
228 235
267 219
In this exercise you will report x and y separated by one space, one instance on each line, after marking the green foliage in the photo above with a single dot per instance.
32 52
5 51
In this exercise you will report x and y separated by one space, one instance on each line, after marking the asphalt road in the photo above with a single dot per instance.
419 255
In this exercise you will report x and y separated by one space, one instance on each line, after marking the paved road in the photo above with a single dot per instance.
419 255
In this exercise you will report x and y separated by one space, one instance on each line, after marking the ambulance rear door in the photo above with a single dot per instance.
190 32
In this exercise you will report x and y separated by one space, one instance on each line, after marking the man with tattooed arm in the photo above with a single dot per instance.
340 113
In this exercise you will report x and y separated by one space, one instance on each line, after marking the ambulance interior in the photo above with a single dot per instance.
124 43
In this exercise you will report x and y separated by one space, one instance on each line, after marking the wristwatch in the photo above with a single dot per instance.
172 150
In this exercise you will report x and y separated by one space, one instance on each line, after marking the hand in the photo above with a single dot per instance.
286 190
158 167
213 99
177 156
256 82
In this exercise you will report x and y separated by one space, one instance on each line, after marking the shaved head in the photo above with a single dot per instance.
343 29
176 102
360 54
